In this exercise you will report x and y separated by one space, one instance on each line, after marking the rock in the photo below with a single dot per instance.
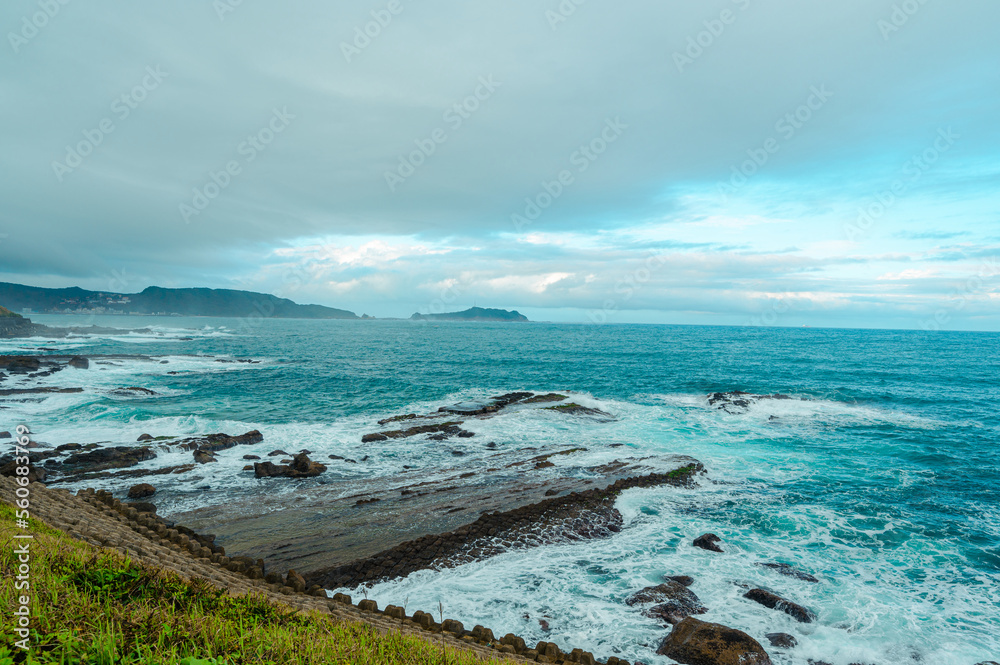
776 602
36 474
781 640
79 362
788 571
988 662
69 446
686 580
203 457
466 434
439 431
5 435
251 457
369 438
551 492
216 442
676 602
101 459
708 542
142 506
145 437
141 491
19 364
301 467
248 467
276 453
132 391
577 410
694 642
738 402
295 581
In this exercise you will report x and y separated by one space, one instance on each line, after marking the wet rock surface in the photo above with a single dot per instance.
776 602
781 640
739 402
788 571
694 642
708 541
674 602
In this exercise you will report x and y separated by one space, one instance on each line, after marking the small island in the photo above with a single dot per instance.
474 314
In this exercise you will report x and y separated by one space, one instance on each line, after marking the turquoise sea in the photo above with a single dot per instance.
882 480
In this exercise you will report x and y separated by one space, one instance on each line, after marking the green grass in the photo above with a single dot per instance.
95 606
4 312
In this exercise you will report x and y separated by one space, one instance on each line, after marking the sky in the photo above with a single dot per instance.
734 162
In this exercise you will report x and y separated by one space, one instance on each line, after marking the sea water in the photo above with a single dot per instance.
880 478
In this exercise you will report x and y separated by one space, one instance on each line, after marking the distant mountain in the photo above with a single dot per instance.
474 314
157 300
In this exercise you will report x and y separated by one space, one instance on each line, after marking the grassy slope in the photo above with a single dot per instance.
91 605
6 313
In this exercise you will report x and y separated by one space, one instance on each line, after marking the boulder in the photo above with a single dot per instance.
251 457
203 457
295 581
781 640
694 642
142 506
675 602
132 391
79 362
788 571
776 602
141 491
5 435
145 437
686 580
301 467
708 542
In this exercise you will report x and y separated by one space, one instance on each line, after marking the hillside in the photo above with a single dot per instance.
158 300
7 314
474 314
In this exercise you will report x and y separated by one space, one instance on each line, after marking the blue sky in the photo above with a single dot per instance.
727 162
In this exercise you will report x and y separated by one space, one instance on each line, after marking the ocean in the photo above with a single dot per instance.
880 477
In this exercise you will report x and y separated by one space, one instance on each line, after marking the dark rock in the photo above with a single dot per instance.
275 453
551 492
676 602
781 640
5 435
466 434
145 437
248 467
370 438
457 453
251 457
686 580
295 581
988 662
69 446
216 442
694 642
79 362
132 391
335 457
577 410
738 402
142 506
141 491
19 364
301 467
708 542
36 474
204 457
788 571
101 459
446 429
776 602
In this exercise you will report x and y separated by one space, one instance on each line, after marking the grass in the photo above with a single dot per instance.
95 606
6 313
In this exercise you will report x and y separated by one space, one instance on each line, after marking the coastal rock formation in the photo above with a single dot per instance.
738 402
776 602
204 457
708 541
675 602
474 314
301 467
788 571
35 473
141 491
79 362
686 580
576 516
781 640
215 442
118 457
694 642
